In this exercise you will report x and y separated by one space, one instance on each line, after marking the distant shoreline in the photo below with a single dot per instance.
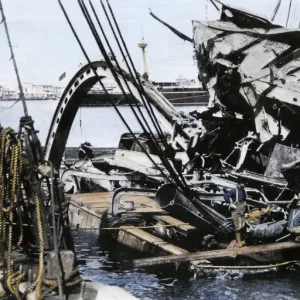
11 100
175 102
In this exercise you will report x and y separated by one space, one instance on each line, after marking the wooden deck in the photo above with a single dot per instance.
100 201
86 210
145 242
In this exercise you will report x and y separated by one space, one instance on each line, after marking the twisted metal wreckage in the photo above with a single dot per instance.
249 131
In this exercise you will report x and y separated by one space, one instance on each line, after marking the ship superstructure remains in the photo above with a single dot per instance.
187 162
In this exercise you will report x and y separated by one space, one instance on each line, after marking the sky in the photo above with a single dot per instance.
45 46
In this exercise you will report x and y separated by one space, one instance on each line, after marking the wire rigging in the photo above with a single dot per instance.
112 68
12 105
276 10
137 83
102 49
292 17
146 104
151 137
124 79
288 16
151 113
105 90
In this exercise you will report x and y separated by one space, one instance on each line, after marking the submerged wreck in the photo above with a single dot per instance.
184 164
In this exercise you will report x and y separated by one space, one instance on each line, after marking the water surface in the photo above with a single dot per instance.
99 265
101 126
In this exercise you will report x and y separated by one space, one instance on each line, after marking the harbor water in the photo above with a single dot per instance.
102 128
101 266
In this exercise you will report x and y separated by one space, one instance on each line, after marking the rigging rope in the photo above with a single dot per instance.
11 106
132 71
181 180
135 78
165 161
11 181
10 150
106 92
288 16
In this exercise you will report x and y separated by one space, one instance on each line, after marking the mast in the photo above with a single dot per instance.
22 97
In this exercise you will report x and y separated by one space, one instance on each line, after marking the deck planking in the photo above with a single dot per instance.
102 200
145 242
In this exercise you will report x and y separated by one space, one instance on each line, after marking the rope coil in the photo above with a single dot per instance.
11 167
10 176
14 178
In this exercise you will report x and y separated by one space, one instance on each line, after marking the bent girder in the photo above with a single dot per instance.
71 98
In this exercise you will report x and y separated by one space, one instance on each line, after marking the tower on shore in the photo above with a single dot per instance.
143 46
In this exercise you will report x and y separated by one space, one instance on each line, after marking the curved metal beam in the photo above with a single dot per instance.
79 86
66 111
114 206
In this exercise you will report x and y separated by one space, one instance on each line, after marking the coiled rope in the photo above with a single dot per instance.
10 148
10 190
11 171
69 282
39 279
19 190
2 195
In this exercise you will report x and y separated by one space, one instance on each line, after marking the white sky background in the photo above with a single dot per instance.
45 46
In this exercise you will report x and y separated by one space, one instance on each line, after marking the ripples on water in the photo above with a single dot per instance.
98 265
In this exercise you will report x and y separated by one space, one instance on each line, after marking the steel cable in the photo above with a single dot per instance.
153 139
104 53
105 90
151 112
138 86
89 20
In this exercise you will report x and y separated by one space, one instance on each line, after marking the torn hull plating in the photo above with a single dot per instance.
251 67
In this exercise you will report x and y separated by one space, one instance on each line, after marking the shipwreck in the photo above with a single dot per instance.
175 172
